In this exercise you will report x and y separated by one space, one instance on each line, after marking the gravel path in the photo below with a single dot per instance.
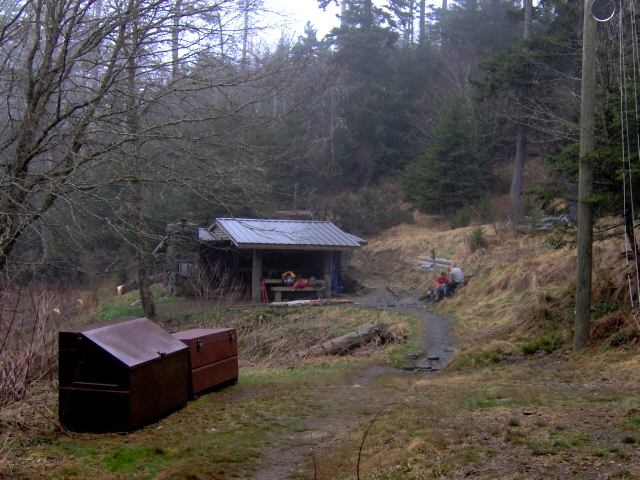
438 342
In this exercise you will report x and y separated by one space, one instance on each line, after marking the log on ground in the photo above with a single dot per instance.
133 285
342 344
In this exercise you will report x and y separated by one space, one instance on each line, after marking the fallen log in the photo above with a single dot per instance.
133 285
429 265
312 303
331 301
293 303
441 261
338 345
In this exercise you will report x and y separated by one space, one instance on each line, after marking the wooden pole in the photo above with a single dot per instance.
435 268
328 265
256 277
585 183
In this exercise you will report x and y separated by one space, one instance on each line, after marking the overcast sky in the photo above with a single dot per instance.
298 12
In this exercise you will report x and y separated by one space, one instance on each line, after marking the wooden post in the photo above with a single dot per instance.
585 183
256 277
328 263
433 259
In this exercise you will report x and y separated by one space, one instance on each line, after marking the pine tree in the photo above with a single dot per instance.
452 173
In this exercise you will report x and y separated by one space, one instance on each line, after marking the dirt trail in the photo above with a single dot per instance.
298 455
438 341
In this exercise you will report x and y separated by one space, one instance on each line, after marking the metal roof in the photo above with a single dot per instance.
205 235
301 234
133 342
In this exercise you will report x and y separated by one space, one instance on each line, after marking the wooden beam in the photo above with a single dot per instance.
328 263
256 276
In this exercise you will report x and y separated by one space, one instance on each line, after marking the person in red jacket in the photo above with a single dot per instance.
441 282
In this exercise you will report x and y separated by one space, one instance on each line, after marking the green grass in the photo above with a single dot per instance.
476 358
112 312
397 354
546 343
135 459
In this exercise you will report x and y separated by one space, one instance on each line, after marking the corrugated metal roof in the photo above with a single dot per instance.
205 235
253 232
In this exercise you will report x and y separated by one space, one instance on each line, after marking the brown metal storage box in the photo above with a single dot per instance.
213 357
118 375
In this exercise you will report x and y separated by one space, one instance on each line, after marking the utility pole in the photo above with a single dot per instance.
585 182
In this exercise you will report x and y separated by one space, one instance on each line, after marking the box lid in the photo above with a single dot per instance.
132 342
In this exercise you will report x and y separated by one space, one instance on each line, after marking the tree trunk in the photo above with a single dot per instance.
142 254
137 197
175 39
245 33
409 31
423 26
585 184
528 19
515 208
367 21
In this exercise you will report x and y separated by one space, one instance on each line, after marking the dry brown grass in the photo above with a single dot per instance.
522 288
270 338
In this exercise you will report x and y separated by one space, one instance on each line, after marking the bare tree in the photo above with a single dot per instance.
93 101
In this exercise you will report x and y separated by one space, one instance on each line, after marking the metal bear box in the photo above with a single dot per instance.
213 357
118 375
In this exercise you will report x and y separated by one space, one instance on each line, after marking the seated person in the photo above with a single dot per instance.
300 283
441 283
457 278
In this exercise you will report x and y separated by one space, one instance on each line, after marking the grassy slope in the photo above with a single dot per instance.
521 296
534 409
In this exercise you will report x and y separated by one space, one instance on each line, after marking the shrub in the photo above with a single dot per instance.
461 219
477 239
545 343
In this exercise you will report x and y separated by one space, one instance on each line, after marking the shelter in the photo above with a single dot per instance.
254 249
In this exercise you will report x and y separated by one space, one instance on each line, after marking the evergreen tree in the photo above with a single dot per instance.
453 172
486 27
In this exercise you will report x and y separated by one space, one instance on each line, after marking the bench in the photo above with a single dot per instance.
279 288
